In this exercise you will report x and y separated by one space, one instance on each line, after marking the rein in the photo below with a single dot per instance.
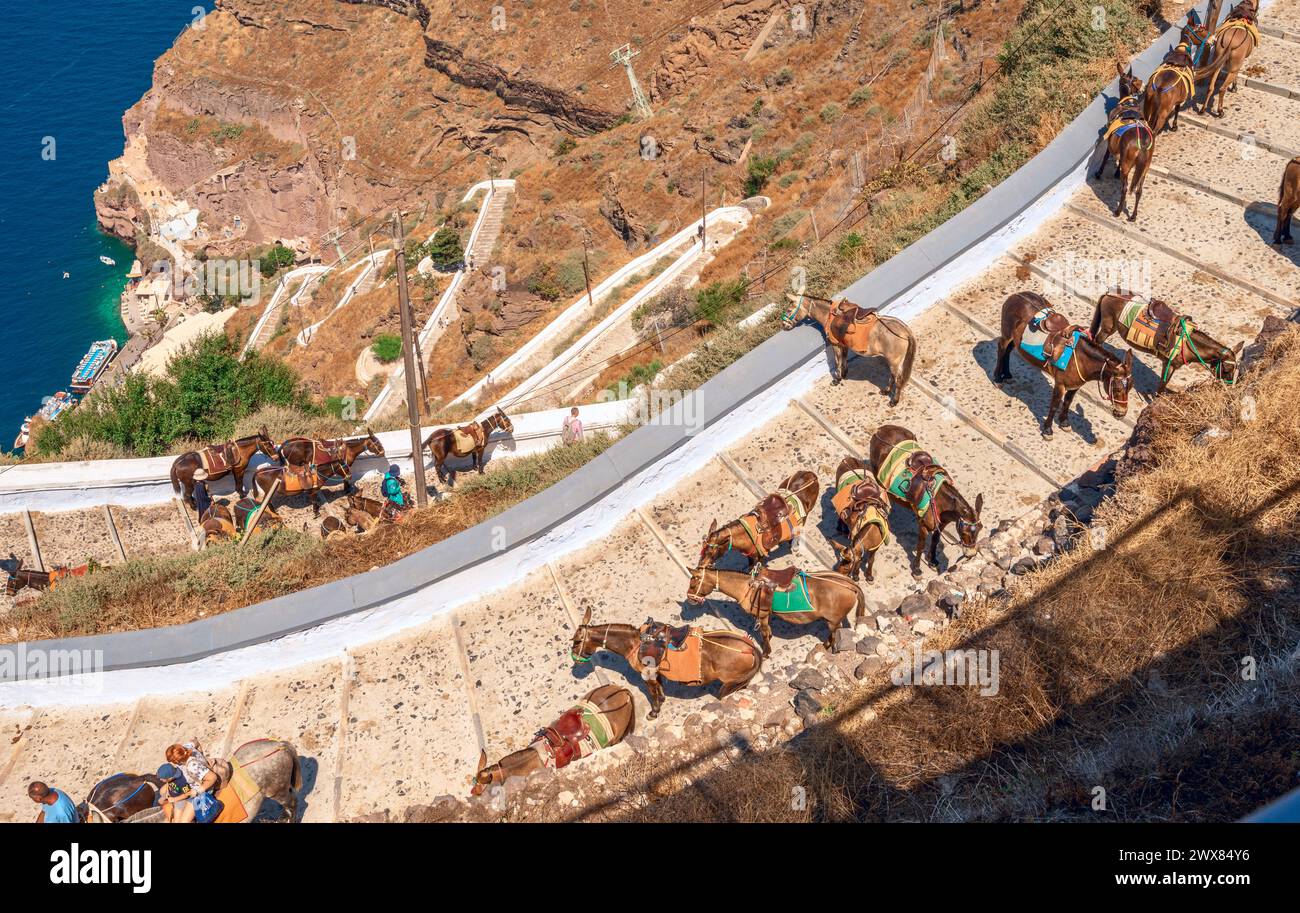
1184 335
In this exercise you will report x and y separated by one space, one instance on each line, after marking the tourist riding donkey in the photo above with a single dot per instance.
468 440
1131 140
688 655
1170 87
1233 41
776 519
1153 326
863 512
1288 201
599 720
792 595
258 770
1068 354
913 480
864 330
332 458
219 461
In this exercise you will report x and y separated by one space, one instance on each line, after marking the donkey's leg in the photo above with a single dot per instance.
1105 156
656 697
1123 192
920 549
1003 371
1051 410
871 564
934 549
478 460
1063 419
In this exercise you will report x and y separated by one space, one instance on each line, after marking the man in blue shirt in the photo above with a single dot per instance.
58 808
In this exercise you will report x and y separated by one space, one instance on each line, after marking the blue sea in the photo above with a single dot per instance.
70 70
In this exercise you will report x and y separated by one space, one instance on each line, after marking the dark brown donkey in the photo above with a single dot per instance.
467 440
863 330
22 577
599 720
332 458
797 598
219 461
911 478
1090 360
1288 201
863 513
776 519
1234 41
367 513
1154 327
689 655
1130 139
1172 85
294 480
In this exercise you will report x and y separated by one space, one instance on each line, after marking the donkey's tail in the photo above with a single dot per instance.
176 480
1096 318
1215 65
905 372
295 779
860 609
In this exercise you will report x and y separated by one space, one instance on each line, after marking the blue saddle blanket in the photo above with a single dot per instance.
1033 340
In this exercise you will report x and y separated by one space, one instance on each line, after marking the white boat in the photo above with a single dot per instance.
107 261
51 408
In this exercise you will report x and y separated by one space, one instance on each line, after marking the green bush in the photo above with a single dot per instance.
387 348
719 300
761 168
276 259
206 390
445 249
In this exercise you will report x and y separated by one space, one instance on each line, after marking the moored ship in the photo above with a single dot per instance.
51 408
92 366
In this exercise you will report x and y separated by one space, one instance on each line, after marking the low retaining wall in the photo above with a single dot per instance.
320 622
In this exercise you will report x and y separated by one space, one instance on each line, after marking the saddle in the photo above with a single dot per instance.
62 572
849 324
1053 333
673 652
580 731
777 581
1178 62
300 478
911 475
1128 115
217 458
1150 324
244 508
467 438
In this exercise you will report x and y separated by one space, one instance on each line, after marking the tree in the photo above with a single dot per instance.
276 259
445 250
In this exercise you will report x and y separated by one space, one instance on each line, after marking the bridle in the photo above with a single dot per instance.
1103 388
695 595
582 632
789 317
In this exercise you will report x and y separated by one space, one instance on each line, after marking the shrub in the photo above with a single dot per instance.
387 348
719 300
276 259
830 112
860 96
445 249
761 168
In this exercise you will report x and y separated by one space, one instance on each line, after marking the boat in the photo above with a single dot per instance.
92 366
107 261
51 408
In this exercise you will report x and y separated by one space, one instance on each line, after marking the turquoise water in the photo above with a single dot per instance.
71 69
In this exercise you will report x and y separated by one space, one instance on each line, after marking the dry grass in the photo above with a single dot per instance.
1120 663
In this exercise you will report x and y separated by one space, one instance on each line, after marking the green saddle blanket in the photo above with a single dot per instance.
896 477
794 599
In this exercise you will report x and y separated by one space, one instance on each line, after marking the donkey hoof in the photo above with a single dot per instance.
835 382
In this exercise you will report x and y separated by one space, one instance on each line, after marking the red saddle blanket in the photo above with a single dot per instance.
216 458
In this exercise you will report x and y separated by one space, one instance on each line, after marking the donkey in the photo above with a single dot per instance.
776 519
468 440
1288 201
1089 361
567 738
272 766
332 458
219 461
863 511
929 493
691 656
1183 343
1131 140
1171 86
864 330
1234 41
825 595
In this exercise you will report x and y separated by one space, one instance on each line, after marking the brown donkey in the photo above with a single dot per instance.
775 520
468 440
912 479
1172 85
1288 201
219 461
863 512
862 330
689 655
599 720
332 458
1234 41
1154 327
792 595
1130 139
1026 312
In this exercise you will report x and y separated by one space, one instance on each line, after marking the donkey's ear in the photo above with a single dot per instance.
1119 68
586 616
979 503
482 761
713 527
1128 360
839 549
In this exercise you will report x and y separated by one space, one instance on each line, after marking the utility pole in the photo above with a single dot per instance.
586 269
1212 16
408 358
624 57
704 209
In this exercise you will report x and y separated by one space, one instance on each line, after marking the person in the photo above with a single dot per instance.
571 431
199 777
58 808
202 498
392 487
173 784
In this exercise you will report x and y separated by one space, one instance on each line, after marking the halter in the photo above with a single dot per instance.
1102 387
717 584
798 304
1185 335
586 659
